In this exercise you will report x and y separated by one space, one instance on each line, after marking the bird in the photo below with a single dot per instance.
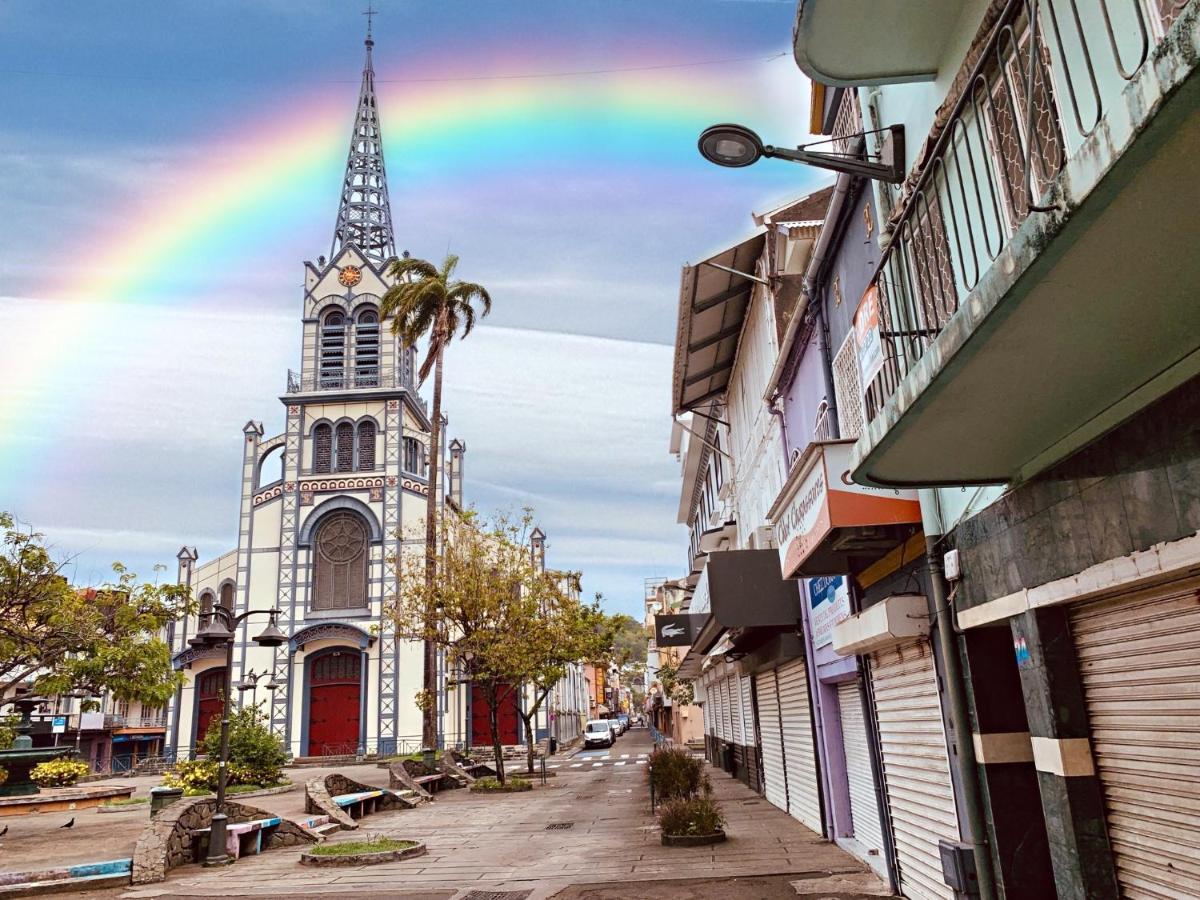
69 824
4 832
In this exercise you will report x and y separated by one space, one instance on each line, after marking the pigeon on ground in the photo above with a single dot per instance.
4 832
69 824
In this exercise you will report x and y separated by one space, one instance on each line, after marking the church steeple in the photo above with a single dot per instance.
364 216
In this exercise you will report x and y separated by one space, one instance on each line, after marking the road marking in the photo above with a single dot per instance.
551 767
624 756
641 762
576 765
597 765
619 764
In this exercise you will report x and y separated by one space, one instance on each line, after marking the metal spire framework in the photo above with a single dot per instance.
364 217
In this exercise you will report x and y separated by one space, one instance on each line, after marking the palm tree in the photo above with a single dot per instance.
425 301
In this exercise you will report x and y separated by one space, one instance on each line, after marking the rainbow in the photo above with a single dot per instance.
446 135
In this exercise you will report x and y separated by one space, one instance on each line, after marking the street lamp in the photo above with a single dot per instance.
219 627
736 146
250 682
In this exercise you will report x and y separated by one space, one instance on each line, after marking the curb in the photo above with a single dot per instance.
84 876
233 798
361 859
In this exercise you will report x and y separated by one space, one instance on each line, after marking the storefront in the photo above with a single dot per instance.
832 533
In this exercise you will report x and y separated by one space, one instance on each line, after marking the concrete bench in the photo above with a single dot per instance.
241 838
430 782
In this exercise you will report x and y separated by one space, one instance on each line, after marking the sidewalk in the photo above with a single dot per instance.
501 843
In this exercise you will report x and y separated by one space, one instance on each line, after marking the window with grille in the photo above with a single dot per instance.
323 448
366 349
340 565
227 596
366 445
847 385
345 447
332 362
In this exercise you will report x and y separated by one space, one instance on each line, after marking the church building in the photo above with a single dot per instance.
325 506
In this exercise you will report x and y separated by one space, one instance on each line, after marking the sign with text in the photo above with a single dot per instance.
867 337
820 498
677 630
828 604
58 724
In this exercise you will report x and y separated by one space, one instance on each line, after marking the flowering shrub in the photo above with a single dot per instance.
195 776
3 774
58 772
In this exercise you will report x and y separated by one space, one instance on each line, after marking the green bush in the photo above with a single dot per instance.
354 848
675 773
695 815
59 772
255 755
195 776
493 784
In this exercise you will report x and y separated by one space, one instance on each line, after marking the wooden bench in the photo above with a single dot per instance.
431 783
241 838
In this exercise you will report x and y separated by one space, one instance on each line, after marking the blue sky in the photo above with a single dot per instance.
562 397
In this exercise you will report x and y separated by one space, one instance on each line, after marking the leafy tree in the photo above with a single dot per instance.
629 641
95 639
489 597
426 300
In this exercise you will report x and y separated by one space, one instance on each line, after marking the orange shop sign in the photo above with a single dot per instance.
819 498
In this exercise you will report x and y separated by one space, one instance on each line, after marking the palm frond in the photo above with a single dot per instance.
448 267
419 267
430 359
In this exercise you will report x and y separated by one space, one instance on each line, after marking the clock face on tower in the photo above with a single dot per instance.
350 276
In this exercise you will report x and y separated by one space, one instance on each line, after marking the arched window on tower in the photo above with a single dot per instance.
366 446
412 456
323 448
345 447
206 603
366 349
340 565
227 596
333 350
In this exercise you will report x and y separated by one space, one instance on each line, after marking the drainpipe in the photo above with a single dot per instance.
956 698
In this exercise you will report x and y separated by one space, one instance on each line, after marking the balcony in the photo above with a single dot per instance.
1039 285
298 383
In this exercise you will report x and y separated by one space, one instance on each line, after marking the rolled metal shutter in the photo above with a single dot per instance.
1139 660
748 729
716 712
800 758
864 806
916 765
735 711
772 739
726 713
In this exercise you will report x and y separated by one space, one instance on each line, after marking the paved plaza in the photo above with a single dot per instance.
604 837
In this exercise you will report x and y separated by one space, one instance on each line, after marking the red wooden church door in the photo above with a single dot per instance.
481 726
209 700
334 703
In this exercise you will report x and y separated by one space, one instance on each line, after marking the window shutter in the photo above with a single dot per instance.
848 387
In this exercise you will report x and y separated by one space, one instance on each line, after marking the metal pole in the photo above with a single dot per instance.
964 759
216 832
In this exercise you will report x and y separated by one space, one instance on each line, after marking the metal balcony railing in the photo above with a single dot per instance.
1028 96
298 383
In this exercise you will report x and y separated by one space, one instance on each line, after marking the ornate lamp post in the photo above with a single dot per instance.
216 628
250 682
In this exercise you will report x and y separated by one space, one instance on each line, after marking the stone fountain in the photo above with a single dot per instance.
20 760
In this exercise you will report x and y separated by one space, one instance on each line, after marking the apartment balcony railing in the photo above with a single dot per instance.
1038 88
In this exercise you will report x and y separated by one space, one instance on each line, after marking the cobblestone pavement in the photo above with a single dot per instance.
502 843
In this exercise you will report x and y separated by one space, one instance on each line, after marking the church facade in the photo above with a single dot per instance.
326 507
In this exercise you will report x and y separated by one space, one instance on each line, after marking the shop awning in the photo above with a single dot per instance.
740 590
826 524
713 298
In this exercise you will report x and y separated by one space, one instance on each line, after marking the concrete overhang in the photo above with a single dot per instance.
860 42
1086 317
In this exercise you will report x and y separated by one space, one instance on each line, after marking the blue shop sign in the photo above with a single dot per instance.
829 603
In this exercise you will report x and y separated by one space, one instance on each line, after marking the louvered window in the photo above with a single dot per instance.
366 446
333 351
366 349
412 456
323 448
227 596
848 386
340 576
345 447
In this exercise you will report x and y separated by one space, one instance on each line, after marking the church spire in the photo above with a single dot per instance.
364 216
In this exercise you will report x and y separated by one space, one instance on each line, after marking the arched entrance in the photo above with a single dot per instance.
209 700
334 701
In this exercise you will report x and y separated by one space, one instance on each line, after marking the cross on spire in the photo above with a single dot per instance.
364 215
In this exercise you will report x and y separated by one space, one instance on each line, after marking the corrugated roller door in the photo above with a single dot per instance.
804 798
864 807
772 739
735 711
1139 659
748 728
916 767
716 696
726 712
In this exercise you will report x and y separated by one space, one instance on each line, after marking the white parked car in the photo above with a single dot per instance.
598 733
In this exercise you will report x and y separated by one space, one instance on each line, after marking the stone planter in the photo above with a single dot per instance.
361 859
693 840
506 789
